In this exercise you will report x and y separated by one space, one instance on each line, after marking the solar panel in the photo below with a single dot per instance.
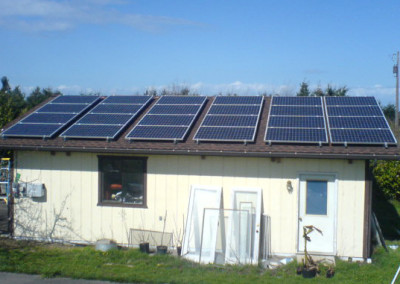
225 134
63 108
296 110
157 132
51 118
94 118
354 111
75 100
156 119
116 108
169 119
357 120
350 101
91 131
174 109
304 135
109 118
181 100
235 109
229 100
369 136
138 100
297 101
48 117
31 130
232 119
296 120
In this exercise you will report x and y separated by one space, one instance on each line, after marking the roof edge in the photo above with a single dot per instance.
267 154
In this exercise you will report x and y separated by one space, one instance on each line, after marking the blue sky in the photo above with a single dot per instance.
247 47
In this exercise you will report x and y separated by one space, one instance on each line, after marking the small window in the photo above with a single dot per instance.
122 181
317 197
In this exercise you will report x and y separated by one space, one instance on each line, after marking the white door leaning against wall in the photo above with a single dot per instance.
317 207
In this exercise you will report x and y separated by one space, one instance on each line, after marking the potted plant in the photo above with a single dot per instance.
144 245
162 249
310 269
178 237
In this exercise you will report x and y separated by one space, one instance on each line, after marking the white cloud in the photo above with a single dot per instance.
383 94
50 15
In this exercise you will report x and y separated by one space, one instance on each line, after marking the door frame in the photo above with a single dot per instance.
259 209
189 219
303 176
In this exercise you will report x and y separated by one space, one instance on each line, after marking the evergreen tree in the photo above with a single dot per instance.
304 91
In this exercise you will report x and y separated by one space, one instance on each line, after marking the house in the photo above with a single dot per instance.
241 194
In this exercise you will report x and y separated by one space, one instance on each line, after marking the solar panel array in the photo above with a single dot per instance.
169 119
357 120
296 120
231 119
350 120
53 117
108 118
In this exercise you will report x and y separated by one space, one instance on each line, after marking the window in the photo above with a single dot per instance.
122 181
317 197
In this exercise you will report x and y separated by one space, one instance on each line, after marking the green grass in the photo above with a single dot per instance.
133 266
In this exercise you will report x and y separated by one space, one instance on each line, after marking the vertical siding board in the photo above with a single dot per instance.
169 179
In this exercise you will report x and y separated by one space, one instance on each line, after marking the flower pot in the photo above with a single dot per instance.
178 251
309 273
144 247
162 249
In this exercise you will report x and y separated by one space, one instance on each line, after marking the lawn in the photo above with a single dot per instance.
130 265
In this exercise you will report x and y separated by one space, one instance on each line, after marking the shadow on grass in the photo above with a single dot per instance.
388 214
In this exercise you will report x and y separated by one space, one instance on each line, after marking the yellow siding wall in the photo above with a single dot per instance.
70 210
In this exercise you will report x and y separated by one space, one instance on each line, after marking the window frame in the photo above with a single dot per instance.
102 202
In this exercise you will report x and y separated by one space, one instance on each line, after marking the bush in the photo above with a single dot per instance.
387 176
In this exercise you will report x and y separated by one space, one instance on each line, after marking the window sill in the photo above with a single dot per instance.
126 205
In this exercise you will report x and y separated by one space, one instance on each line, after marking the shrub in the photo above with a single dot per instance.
387 176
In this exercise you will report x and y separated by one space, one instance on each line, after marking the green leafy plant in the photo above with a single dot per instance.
387 176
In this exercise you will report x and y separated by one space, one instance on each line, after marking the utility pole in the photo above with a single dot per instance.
396 72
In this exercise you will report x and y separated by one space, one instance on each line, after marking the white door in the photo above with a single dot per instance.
199 244
317 207
243 237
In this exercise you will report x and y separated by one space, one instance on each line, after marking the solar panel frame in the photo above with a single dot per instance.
53 131
380 114
170 107
239 139
297 115
122 127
